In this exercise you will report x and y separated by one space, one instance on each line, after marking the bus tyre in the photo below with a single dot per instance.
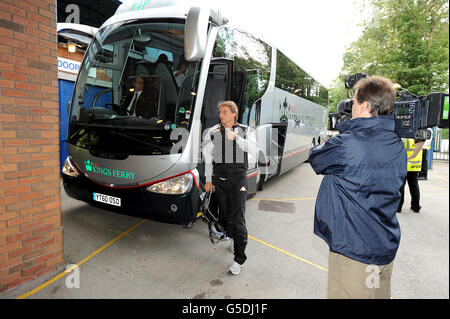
313 143
260 179
260 183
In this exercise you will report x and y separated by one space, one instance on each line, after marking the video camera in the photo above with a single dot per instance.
412 114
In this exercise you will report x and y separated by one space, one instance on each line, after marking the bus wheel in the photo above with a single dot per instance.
260 183
260 179
313 143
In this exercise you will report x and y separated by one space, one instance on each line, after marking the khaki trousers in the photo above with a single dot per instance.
351 279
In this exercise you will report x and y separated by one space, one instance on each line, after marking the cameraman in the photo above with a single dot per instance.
364 168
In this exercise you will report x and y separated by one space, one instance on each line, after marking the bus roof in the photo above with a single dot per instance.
138 5
81 28
144 9
165 12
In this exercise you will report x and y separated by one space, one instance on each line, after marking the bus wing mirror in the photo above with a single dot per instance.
195 34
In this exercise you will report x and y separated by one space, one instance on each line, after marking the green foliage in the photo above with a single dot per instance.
445 134
406 41
337 92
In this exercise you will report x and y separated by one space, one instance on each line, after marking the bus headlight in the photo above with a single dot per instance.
70 168
177 185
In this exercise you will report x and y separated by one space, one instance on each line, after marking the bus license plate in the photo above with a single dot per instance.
111 200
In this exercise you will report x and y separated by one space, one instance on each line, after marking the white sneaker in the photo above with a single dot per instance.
216 233
219 234
235 268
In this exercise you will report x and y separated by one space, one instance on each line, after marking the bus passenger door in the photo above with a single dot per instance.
245 92
218 88
242 87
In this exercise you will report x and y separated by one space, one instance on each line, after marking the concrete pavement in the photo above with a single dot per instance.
285 258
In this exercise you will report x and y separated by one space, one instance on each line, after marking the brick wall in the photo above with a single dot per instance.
31 237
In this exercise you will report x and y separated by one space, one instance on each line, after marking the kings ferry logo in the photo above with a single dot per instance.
95 168
88 165
290 112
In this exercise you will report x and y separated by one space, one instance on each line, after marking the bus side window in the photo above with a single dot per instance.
252 58
252 94
291 78
254 114
238 85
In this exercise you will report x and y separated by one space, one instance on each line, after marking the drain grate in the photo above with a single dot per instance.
276 206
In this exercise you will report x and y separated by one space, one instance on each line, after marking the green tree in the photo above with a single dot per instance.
337 93
404 40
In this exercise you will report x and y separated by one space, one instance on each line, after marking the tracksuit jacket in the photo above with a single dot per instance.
224 157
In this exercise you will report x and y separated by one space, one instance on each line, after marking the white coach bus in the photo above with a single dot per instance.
126 162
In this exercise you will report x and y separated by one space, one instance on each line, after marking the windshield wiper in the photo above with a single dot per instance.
159 148
91 119
88 122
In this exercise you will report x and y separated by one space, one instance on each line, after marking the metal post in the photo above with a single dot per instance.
430 151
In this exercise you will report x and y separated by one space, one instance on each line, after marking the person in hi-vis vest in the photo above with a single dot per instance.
423 174
414 153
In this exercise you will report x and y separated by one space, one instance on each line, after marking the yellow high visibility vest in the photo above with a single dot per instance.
414 164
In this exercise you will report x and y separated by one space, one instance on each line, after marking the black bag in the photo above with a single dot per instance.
210 214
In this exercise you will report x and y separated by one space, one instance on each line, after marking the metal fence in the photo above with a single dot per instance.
440 145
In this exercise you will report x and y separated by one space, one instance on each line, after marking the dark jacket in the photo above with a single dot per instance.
146 105
364 168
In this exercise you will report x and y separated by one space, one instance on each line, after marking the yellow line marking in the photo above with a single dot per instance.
288 253
284 199
69 270
292 255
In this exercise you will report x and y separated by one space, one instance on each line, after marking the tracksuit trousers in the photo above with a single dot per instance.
231 194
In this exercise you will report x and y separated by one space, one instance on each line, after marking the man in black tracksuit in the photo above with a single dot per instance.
227 149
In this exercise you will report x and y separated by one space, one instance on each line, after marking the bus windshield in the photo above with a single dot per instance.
134 89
